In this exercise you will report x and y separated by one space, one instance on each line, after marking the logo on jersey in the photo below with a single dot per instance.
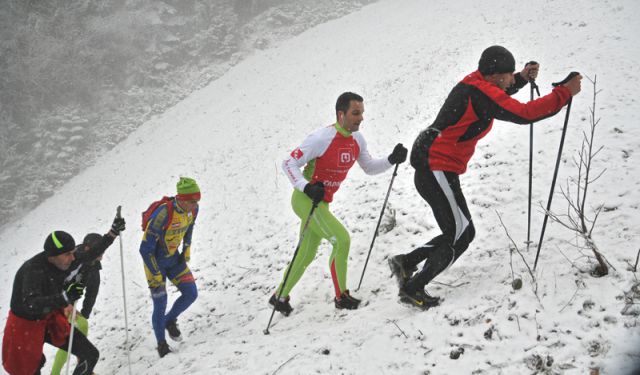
333 184
345 156
297 153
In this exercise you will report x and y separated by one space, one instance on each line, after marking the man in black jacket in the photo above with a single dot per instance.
89 275
44 285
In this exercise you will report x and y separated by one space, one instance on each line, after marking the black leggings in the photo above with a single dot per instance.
443 193
82 348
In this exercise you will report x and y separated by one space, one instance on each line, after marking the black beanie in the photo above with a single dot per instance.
58 242
91 239
496 59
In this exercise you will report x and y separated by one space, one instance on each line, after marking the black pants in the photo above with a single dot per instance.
82 348
442 192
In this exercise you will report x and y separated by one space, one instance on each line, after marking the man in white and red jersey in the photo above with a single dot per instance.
441 153
327 154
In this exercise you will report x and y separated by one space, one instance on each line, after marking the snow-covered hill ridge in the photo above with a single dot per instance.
403 57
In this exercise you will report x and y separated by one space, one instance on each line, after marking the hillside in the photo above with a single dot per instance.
79 76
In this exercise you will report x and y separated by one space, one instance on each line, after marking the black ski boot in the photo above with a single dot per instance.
282 306
399 269
174 332
163 348
419 298
346 301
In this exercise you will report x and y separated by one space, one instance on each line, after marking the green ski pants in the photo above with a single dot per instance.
322 225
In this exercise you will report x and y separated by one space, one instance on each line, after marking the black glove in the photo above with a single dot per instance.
399 154
74 291
315 191
118 225
181 258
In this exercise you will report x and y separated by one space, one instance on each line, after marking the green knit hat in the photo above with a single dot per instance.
188 189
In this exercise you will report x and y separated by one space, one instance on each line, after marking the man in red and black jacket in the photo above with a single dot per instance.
43 286
441 153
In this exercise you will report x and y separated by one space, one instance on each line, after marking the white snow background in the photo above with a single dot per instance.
403 56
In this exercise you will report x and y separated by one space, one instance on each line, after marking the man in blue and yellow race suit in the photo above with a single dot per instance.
166 228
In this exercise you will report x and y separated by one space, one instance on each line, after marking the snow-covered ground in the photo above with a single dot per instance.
403 56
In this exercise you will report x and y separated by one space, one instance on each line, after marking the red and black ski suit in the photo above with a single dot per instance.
441 153
36 315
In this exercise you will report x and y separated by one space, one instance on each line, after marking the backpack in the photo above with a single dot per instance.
146 215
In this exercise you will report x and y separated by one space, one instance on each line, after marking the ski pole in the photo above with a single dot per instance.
124 296
375 233
533 86
73 326
295 253
555 173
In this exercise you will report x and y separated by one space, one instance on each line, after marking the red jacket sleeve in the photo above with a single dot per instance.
503 107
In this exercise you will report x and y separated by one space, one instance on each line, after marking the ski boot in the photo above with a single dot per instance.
163 348
419 298
174 332
398 266
281 305
346 301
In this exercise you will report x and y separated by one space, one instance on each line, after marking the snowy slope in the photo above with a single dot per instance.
403 56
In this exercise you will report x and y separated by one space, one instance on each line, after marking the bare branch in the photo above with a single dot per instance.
282 365
533 278
575 161
595 218
597 152
400 329
576 219
568 260
572 297
598 176
511 263
556 218
450 285
517 320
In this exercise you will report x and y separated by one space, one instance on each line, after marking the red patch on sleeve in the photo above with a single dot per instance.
297 153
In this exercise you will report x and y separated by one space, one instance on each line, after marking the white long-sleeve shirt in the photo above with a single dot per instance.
327 155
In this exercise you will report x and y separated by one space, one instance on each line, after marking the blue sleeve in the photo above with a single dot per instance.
152 237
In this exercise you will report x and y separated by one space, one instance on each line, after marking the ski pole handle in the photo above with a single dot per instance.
118 210
532 81
567 79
